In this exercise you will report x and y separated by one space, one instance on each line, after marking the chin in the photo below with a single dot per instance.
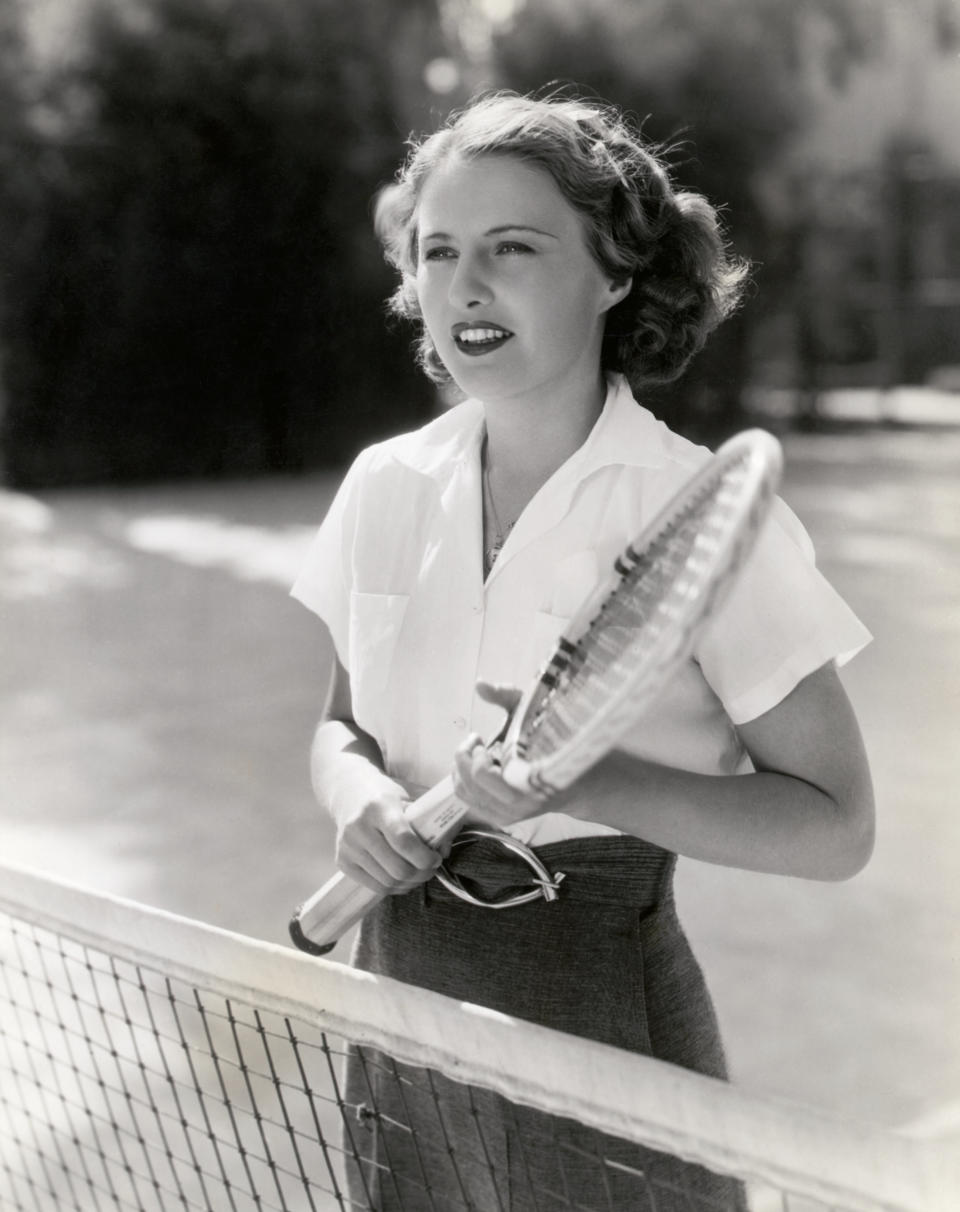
472 381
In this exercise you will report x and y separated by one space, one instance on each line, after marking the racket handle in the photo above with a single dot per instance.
320 921
437 813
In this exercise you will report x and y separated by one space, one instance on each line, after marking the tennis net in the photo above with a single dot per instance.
152 1062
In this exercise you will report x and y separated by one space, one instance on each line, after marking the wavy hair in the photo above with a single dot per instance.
669 241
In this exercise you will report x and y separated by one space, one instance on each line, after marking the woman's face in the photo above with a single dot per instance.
511 296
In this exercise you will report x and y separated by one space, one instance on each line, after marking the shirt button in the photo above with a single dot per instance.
459 722
476 609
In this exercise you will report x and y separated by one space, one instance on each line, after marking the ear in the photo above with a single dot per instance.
618 291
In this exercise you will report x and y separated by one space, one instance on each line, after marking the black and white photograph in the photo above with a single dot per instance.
480 605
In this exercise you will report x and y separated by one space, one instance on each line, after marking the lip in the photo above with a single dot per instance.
486 346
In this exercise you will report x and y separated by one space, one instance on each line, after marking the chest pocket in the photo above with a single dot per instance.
573 580
376 621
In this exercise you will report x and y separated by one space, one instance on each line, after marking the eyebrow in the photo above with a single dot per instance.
496 231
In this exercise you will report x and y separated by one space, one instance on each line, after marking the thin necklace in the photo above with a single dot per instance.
492 549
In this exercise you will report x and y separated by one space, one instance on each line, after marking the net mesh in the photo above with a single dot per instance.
122 1085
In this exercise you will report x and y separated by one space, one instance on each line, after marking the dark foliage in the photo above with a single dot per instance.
191 286
726 84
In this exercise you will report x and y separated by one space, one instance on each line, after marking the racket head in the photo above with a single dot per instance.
634 631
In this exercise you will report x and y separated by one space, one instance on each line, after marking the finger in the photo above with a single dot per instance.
366 871
487 772
409 885
410 846
413 790
500 694
382 885
478 781
472 741
468 756
463 755
377 860
367 874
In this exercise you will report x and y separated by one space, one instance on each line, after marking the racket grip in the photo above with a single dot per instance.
437 813
320 921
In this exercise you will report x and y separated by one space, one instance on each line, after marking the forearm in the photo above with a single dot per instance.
343 757
375 844
769 822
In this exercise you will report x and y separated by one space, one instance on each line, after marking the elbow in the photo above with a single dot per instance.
852 842
850 859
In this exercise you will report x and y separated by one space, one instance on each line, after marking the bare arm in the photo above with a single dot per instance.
375 845
807 811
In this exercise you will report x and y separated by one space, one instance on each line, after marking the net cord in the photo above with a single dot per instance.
752 1136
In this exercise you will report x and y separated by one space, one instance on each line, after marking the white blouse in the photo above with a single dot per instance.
396 574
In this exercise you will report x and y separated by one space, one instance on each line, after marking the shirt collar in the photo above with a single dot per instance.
444 444
626 434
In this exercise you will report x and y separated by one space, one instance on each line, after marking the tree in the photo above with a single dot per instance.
198 289
729 85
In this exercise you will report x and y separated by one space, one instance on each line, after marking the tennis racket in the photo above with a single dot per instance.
612 660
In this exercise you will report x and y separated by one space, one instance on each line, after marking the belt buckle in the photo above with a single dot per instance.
546 884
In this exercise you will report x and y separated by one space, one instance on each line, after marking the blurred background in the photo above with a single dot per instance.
193 343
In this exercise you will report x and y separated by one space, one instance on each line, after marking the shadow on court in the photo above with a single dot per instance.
158 690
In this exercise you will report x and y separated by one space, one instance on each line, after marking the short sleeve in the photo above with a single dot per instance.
781 622
325 581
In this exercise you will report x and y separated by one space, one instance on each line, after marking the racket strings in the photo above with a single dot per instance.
654 592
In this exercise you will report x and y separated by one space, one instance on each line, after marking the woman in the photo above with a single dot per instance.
554 269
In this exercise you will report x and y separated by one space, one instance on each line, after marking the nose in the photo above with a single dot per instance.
470 285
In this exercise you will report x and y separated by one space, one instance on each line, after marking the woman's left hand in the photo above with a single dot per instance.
478 778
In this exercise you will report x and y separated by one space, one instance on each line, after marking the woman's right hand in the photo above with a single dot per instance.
375 844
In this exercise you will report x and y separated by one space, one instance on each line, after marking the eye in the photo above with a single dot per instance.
438 252
513 247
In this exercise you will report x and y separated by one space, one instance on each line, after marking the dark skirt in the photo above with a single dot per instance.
607 960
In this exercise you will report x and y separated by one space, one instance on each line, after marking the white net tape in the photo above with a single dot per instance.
150 1062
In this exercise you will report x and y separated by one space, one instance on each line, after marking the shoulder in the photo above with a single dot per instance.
684 458
657 462
630 435
428 451
394 489
649 461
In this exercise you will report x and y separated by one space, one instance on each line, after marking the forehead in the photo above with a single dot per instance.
492 191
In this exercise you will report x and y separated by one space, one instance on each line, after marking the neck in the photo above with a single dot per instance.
530 439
